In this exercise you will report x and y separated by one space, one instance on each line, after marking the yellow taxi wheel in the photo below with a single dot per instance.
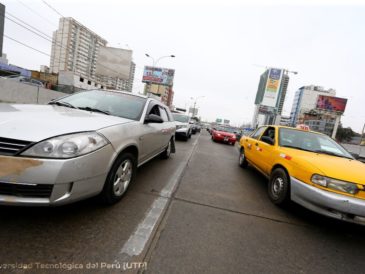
242 161
279 187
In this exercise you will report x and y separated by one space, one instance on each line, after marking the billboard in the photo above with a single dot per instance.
266 110
272 87
331 104
114 62
161 76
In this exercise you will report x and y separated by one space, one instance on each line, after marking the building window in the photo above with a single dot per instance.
89 82
81 79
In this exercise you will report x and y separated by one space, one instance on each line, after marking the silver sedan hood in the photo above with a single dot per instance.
38 122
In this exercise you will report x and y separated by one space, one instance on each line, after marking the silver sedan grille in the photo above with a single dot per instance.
10 147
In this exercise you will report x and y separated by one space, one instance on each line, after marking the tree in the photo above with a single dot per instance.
344 134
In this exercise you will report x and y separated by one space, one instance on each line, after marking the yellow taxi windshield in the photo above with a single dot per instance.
310 141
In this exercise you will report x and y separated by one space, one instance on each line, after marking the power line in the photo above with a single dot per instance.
45 38
20 20
26 45
52 8
36 13
48 38
55 42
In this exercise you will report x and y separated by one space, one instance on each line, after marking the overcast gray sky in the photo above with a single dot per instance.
219 46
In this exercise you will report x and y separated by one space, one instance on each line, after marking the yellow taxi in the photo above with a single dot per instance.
308 168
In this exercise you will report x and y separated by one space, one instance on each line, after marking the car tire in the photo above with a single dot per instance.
242 161
124 168
186 138
279 187
167 152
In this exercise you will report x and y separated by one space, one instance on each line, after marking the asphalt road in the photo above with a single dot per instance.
197 212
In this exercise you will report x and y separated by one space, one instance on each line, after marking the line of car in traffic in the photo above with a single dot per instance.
185 125
24 80
308 168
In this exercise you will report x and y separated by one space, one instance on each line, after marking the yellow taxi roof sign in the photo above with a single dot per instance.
303 127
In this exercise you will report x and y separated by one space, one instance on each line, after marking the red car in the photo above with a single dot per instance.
224 134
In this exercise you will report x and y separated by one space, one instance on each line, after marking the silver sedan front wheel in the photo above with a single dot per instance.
123 177
119 178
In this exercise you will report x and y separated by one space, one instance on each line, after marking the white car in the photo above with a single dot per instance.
183 126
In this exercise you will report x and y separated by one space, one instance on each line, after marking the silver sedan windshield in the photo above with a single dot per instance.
112 103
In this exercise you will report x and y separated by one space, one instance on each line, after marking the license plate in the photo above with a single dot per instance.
226 139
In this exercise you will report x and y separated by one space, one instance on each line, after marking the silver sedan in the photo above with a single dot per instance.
82 145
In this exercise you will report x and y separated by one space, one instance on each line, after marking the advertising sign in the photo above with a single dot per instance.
161 76
272 88
226 122
218 121
266 110
331 104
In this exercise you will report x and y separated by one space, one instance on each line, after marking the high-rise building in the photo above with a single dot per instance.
117 83
165 93
305 101
265 114
75 48
304 109
2 20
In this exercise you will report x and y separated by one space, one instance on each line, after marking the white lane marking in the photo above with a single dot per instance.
136 243
170 186
138 240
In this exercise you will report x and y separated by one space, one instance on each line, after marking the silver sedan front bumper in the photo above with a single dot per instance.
328 203
36 181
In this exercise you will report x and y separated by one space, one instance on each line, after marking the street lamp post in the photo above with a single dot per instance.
196 99
154 63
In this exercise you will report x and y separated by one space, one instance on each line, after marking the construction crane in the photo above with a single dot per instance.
267 67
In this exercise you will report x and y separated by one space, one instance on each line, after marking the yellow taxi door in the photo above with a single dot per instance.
265 149
249 145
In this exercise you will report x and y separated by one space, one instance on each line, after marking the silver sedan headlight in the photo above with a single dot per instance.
67 146
335 184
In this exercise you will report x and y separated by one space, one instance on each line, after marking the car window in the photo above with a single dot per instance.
155 110
258 132
163 113
269 132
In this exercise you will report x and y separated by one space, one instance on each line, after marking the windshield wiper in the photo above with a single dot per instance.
60 103
95 110
331 153
298 148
